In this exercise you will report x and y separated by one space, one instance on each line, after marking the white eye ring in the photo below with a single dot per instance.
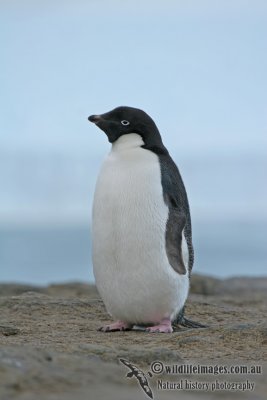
124 122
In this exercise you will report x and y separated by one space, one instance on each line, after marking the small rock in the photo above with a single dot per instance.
8 330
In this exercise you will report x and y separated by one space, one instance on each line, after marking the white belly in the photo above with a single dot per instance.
131 268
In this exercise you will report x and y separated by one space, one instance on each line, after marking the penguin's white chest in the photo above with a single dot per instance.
131 268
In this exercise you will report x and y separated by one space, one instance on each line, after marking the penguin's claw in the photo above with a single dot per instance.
116 326
158 329
164 326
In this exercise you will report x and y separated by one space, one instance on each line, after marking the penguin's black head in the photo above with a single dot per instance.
124 120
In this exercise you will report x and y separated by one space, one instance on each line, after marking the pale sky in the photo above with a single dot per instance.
197 67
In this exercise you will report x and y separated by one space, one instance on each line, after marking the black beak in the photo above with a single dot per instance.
94 118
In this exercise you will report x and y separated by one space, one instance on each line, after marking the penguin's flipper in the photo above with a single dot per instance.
174 229
175 198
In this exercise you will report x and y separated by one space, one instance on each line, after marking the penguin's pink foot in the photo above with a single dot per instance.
165 326
116 326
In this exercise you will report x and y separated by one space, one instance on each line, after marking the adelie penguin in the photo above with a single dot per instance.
141 227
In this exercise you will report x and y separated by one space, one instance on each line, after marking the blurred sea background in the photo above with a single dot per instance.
197 67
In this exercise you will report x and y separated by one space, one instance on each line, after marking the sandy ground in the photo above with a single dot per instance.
50 347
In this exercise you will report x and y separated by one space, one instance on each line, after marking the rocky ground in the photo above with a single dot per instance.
50 347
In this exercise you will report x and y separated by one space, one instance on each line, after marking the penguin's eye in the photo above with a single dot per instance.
124 122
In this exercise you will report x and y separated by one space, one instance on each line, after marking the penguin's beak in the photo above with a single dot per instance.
95 118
